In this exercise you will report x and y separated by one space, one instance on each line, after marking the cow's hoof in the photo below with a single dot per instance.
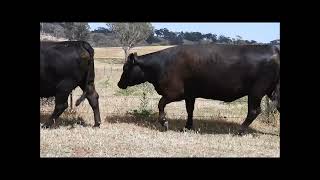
239 133
46 125
164 126
242 131
186 129
96 126
78 102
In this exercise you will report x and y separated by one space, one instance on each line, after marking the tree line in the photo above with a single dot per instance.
128 35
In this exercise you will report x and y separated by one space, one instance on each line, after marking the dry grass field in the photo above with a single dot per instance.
125 135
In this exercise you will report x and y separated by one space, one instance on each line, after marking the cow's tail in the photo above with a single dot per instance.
90 73
275 96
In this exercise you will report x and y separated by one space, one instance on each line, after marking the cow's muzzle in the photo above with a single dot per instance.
121 85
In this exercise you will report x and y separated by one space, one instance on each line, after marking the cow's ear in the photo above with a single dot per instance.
131 58
134 57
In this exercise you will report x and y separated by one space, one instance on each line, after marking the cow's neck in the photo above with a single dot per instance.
151 69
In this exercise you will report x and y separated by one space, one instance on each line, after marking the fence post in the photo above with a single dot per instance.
71 101
267 106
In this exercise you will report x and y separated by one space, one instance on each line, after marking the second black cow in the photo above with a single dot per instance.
63 67
219 72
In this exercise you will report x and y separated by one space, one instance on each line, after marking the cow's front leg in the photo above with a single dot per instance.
162 117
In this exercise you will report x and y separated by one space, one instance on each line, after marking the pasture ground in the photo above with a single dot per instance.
124 135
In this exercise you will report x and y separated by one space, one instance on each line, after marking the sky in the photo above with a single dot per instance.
260 32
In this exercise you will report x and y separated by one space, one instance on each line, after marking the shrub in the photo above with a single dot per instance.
143 111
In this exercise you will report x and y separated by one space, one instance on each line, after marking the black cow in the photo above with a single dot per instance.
63 67
220 72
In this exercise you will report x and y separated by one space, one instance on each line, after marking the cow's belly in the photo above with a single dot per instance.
217 91
225 98
47 90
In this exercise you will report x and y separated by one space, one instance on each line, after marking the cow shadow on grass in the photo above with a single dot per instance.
202 126
67 119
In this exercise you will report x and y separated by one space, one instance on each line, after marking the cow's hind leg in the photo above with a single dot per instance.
91 94
190 107
93 98
174 93
61 100
162 117
254 109
161 105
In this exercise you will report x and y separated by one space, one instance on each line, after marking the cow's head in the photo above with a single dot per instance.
132 73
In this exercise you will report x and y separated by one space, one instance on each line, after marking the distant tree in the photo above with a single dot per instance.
77 31
48 28
98 39
82 31
239 40
165 33
69 30
209 36
213 38
59 31
181 34
129 34
253 42
175 39
275 42
238 37
224 39
197 36
152 39
158 32
234 41
179 39
193 36
101 30
188 36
